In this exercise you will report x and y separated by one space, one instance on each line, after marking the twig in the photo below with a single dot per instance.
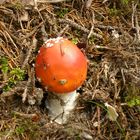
33 116
22 38
12 92
134 19
32 78
24 95
104 1
93 21
72 23
123 76
104 48
35 6
51 1
108 27
137 28
99 121
88 3
44 33
36 94
8 54
91 32
52 21
11 41
31 33
32 94
31 83
33 46
133 14
63 30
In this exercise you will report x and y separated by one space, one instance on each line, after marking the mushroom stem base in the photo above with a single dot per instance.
61 106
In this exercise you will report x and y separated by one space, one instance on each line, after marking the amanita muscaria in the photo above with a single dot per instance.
61 67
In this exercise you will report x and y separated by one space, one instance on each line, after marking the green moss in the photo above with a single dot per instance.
62 12
15 5
91 40
133 95
75 40
113 11
26 127
13 75
20 128
17 73
4 65
125 2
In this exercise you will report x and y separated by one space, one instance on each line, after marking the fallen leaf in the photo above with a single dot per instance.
112 113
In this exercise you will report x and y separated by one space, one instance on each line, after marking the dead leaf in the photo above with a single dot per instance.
112 113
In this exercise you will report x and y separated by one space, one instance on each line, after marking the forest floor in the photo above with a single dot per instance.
109 103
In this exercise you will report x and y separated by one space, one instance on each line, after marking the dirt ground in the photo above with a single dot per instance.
108 32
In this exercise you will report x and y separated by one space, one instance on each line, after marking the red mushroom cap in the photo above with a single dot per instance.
60 66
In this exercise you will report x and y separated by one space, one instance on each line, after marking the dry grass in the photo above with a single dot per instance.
109 35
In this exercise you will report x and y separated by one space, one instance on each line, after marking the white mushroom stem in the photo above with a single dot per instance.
60 107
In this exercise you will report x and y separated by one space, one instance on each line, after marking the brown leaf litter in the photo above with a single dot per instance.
108 32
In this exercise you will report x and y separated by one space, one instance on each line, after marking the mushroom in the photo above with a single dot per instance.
61 68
